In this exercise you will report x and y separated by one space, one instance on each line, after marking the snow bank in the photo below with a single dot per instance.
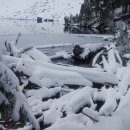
55 102
119 121
67 126
37 55
124 84
110 103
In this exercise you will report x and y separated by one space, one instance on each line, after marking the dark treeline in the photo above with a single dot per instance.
100 14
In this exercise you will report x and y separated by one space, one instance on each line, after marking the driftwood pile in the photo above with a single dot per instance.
93 99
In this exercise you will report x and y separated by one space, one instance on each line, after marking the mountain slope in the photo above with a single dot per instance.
52 9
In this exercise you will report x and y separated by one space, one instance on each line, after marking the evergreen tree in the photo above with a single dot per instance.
86 13
13 103
101 13
106 16
122 37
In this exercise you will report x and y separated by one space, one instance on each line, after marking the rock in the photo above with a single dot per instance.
85 55
39 20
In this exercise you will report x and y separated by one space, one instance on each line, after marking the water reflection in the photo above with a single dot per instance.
28 27
80 30
8 27
45 33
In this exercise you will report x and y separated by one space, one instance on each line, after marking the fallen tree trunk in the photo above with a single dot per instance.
83 54
89 74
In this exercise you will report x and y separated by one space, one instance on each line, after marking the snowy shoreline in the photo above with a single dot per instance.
68 97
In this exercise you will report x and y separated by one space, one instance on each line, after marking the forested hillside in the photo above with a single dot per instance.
101 14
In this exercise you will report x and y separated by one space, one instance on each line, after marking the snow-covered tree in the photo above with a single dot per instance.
13 103
122 36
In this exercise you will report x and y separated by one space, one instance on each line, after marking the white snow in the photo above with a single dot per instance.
124 84
96 58
110 103
3 99
61 54
67 126
92 114
56 102
112 60
84 75
37 55
11 84
106 65
47 9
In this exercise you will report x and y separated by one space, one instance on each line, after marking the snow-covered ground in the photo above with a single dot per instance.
53 96
47 9
60 96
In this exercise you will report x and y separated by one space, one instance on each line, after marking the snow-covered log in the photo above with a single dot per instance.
106 65
108 96
51 97
27 53
86 53
112 61
37 55
124 84
91 114
89 74
60 54
11 47
110 103
119 121
95 59
69 104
